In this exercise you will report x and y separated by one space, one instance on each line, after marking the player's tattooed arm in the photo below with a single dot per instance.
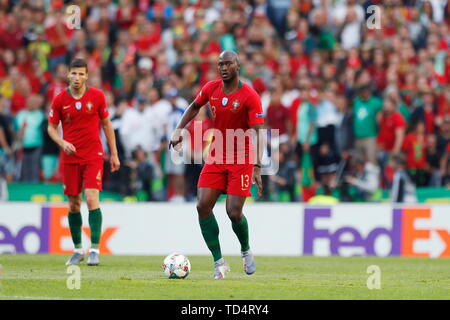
66 146
189 114
260 143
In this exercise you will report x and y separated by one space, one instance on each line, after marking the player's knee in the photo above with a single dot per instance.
203 209
92 201
234 213
235 217
74 206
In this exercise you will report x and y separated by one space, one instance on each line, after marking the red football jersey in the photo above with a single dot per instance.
238 110
80 120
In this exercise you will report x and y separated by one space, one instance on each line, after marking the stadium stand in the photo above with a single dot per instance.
368 93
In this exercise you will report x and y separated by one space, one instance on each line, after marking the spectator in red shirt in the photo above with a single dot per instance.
278 116
59 83
298 58
12 36
426 111
391 127
390 135
126 14
58 36
414 146
443 106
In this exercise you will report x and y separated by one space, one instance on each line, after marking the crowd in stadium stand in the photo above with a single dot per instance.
355 92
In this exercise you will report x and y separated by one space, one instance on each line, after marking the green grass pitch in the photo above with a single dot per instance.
277 278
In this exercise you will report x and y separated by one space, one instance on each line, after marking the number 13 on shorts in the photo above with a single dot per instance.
245 181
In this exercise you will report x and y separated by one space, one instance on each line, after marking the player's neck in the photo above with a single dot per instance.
230 86
77 93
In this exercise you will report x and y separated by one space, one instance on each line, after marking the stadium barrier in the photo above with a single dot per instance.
275 229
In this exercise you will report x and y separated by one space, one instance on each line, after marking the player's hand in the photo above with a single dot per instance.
114 163
256 179
175 140
68 148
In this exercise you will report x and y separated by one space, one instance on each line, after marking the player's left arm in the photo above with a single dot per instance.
256 122
111 138
259 153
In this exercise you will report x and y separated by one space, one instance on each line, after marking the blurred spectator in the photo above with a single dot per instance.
50 156
390 135
307 134
59 82
348 17
58 36
137 129
415 146
433 159
364 177
403 187
284 179
173 168
327 118
7 163
278 116
141 173
344 127
29 124
327 166
365 110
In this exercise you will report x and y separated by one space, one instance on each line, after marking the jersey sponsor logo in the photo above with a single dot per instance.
89 106
224 101
78 105
66 107
214 98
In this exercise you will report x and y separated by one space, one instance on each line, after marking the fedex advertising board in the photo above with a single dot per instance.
275 229
371 230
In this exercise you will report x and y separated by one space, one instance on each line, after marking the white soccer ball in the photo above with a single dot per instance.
176 266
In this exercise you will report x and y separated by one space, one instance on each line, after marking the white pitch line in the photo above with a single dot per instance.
51 298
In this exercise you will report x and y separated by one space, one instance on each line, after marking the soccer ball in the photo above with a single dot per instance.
176 266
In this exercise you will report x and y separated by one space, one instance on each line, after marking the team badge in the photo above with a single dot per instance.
224 101
78 105
236 105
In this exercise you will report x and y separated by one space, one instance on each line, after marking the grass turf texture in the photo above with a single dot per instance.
277 278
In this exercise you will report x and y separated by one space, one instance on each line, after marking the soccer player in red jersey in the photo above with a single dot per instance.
234 106
81 110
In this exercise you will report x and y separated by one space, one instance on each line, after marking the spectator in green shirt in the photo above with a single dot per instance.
365 129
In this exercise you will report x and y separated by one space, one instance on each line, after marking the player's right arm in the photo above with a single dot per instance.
190 113
52 128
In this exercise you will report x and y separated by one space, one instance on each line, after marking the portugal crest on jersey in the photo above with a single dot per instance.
78 105
224 101
236 105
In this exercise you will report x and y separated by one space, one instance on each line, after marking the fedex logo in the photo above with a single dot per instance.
403 234
51 234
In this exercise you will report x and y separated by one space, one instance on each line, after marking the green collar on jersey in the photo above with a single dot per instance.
68 90
239 86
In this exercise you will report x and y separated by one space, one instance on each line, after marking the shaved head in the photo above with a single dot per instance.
229 55
228 65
